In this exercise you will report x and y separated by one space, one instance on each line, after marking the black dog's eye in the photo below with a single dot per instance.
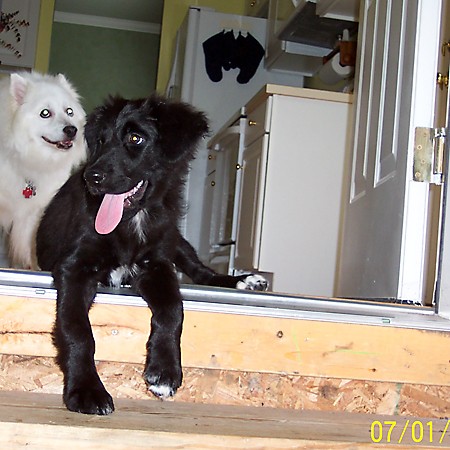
135 139
45 113
69 112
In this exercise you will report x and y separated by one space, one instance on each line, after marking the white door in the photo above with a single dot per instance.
384 241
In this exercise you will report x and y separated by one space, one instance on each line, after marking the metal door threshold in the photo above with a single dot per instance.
231 301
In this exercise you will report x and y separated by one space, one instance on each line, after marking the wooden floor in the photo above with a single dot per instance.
39 421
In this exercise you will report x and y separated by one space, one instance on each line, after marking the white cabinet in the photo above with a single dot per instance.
219 197
289 201
251 203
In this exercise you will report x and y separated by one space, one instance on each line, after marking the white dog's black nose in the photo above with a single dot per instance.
70 131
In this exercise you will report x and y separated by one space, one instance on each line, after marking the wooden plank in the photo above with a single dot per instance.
40 421
247 343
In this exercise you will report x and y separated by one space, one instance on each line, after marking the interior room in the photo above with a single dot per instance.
321 172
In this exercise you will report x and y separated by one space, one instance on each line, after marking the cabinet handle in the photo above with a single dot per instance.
213 183
238 167
251 123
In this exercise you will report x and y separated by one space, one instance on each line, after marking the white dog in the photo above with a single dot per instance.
41 141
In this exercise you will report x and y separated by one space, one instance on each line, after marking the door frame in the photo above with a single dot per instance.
412 281
442 293
202 298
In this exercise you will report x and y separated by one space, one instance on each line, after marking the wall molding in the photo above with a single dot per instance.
107 22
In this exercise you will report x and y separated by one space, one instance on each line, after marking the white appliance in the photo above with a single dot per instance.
190 82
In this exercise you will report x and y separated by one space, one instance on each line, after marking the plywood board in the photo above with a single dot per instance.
224 387
246 343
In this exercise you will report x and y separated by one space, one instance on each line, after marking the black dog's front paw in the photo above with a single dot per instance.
89 400
163 382
253 282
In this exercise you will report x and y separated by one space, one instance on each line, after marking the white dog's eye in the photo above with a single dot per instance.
135 139
69 112
45 114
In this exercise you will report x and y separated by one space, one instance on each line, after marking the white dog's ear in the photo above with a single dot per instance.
18 87
65 82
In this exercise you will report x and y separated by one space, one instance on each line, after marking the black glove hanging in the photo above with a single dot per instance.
219 50
229 51
250 53
223 50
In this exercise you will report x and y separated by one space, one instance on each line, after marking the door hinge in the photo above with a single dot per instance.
429 155
442 80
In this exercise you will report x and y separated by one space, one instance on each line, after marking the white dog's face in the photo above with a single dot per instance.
48 115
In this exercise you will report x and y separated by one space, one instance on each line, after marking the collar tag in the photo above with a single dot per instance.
30 189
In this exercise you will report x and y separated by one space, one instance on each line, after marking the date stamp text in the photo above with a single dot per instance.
410 431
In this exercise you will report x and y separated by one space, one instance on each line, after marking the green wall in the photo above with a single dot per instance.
104 61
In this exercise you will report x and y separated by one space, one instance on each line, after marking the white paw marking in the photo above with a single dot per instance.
162 391
253 282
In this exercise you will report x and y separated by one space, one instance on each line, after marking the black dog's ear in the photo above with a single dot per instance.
91 129
180 128
101 118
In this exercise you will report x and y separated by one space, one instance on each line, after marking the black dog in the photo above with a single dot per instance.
116 219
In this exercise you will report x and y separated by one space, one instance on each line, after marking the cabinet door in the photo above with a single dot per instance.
251 204
223 197
219 194
208 217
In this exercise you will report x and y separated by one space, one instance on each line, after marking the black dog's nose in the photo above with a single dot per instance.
70 131
94 177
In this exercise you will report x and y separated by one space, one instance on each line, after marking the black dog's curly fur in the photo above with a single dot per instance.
146 144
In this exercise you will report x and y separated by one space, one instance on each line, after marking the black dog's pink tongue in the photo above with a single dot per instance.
110 213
